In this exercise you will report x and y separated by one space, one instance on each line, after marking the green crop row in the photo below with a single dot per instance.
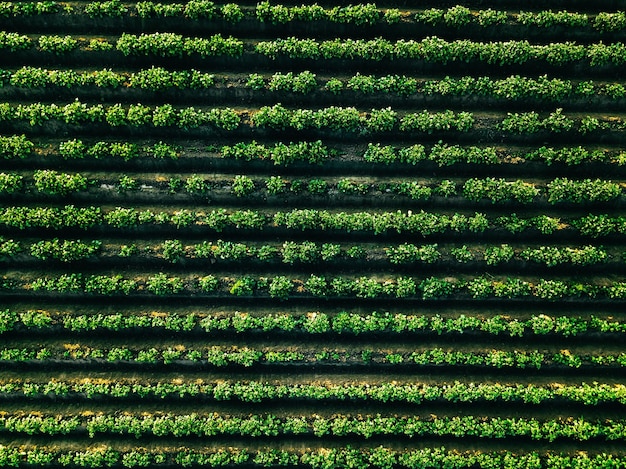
283 288
76 149
312 323
195 9
513 87
456 17
556 122
159 44
430 49
206 10
437 50
447 155
153 79
279 153
244 356
442 154
350 119
308 252
217 220
557 190
459 16
255 392
65 250
259 425
278 117
497 190
274 117
117 115
19 147
175 45
323 458
359 14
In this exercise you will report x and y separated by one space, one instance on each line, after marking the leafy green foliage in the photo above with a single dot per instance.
55 183
66 250
176 45
160 284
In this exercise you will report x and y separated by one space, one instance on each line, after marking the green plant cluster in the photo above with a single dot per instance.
94 284
359 14
555 255
176 45
349 119
51 217
517 87
15 147
58 45
53 182
98 458
459 16
9 248
549 18
159 79
440 153
153 78
438 50
280 154
64 250
556 122
425 121
135 115
598 225
587 190
195 10
289 252
447 155
11 183
14 42
557 190
105 9
369 84
500 190
76 149
572 156
303 82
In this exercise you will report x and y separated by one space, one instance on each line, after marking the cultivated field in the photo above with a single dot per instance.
322 236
